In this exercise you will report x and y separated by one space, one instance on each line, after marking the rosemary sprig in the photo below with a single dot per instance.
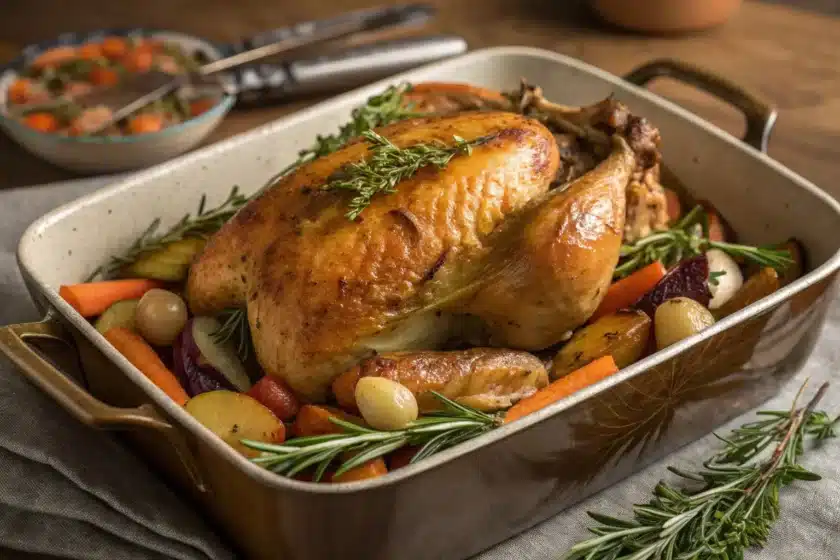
733 508
382 109
688 238
234 327
434 431
388 165
204 223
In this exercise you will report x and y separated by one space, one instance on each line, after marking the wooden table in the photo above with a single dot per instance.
787 55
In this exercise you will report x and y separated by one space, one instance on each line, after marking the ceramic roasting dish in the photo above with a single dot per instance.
479 493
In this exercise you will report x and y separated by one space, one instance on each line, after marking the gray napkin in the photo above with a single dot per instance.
72 492
67 490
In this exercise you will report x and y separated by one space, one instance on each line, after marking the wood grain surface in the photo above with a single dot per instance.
786 55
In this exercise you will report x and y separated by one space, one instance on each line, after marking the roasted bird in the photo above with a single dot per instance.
511 246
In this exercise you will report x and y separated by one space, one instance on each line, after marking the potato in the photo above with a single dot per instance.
623 335
757 286
792 271
679 318
234 417
120 314
170 263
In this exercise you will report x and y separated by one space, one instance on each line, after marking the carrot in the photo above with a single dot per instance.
145 123
143 357
314 420
371 469
19 90
627 291
90 51
92 298
673 205
572 383
103 77
114 47
276 396
138 60
54 57
42 122
200 106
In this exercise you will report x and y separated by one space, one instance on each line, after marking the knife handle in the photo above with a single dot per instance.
270 83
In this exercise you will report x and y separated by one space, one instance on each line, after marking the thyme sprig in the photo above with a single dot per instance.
734 502
388 165
434 432
688 238
203 223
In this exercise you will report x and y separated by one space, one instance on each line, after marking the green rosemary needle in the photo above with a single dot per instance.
688 238
434 432
204 223
734 502
379 110
234 328
388 165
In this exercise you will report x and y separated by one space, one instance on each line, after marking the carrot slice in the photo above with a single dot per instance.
371 469
92 298
579 379
145 123
627 291
104 77
42 122
114 47
314 420
19 90
90 51
143 357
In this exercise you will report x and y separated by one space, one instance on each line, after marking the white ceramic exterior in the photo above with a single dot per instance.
112 154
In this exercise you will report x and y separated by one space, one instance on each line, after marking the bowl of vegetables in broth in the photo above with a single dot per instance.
42 109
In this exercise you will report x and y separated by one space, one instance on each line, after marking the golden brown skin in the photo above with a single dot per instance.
320 289
552 275
483 378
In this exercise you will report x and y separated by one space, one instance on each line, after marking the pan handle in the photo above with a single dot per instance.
75 399
760 116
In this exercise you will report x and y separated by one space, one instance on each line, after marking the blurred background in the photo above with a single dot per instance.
784 50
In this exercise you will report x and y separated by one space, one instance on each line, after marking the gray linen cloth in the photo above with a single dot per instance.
72 492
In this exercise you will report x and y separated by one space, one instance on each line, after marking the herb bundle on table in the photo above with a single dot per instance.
728 506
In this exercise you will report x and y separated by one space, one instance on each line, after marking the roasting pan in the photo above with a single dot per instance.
475 495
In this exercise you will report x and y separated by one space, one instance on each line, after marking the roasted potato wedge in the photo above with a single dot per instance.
170 263
793 271
236 416
759 285
623 335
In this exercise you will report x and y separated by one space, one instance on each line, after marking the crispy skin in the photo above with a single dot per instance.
321 290
483 378
552 265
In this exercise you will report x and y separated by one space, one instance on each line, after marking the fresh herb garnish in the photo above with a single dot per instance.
388 165
733 505
714 276
434 432
234 327
204 223
382 109
689 238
